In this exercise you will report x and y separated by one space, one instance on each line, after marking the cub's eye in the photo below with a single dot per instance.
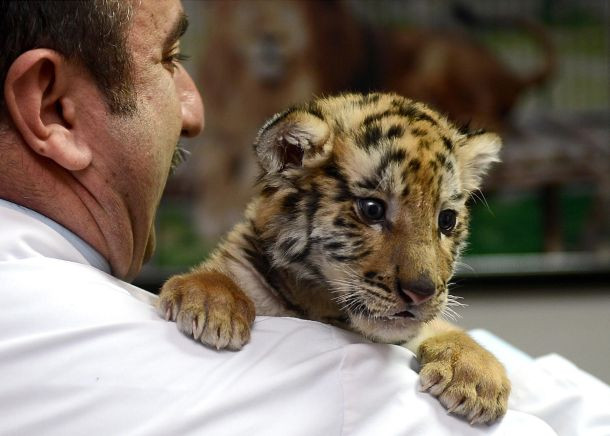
371 209
446 221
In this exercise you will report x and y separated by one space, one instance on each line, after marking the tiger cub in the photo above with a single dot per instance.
359 221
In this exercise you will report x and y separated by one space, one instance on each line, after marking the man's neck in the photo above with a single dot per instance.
91 256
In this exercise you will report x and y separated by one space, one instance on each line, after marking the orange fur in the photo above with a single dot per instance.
308 248
209 305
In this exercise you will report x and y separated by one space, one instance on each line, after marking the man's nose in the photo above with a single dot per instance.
191 105
416 291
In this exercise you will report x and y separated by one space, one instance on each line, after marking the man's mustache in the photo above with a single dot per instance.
179 156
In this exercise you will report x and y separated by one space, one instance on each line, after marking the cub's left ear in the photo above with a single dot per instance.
290 138
475 157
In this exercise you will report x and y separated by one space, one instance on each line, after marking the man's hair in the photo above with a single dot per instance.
90 32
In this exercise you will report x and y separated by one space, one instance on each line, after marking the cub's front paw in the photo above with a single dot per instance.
208 306
467 379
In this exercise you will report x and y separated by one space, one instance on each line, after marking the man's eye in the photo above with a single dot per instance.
172 61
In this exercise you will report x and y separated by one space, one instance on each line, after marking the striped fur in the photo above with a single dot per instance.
304 249
308 246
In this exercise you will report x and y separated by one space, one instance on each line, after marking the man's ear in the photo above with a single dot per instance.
475 156
38 100
289 138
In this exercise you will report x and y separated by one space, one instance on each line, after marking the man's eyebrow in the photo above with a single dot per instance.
176 32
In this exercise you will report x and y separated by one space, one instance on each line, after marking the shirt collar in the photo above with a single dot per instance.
90 255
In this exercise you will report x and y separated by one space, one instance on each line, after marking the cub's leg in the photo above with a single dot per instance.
208 306
467 379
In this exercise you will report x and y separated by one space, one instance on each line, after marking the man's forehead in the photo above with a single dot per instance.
158 20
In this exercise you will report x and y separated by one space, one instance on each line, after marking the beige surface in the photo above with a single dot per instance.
569 321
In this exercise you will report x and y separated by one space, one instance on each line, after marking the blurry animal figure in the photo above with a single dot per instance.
460 76
266 55
263 56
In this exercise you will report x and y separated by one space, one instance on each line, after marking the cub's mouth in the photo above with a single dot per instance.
407 314
403 314
397 328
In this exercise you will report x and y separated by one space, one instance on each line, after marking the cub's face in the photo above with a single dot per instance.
366 195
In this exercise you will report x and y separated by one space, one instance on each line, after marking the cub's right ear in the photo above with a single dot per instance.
475 156
289 138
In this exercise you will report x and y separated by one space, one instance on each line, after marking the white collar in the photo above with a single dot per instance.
25 233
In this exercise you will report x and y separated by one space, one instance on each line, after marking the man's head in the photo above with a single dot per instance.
93 150
73 29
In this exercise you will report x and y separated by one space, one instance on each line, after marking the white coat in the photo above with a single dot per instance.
83 353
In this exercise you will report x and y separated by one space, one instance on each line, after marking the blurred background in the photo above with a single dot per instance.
537 270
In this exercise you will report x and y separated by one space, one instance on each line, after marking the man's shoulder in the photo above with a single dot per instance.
79 337
43 273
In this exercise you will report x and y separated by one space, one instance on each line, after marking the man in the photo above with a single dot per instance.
94 103
104 171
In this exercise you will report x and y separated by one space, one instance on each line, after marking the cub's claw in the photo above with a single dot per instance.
209 307
467 379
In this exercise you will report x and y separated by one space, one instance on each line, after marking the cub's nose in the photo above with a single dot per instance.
416 291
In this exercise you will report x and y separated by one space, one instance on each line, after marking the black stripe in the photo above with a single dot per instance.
299 256
334 245
275 119
256 256
290 203
379 296
311 207
458 197
268 191
391 156
414 165
419 132
357 244
343 193
368 183
313 270
425 117
331 169
477 132
314 109
368 99
288 244
464 129
395 131
370 137
313 203
373 118
424 144
341 222
448 143
379 285
395 155
441 158
356 256
370 274
412 113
